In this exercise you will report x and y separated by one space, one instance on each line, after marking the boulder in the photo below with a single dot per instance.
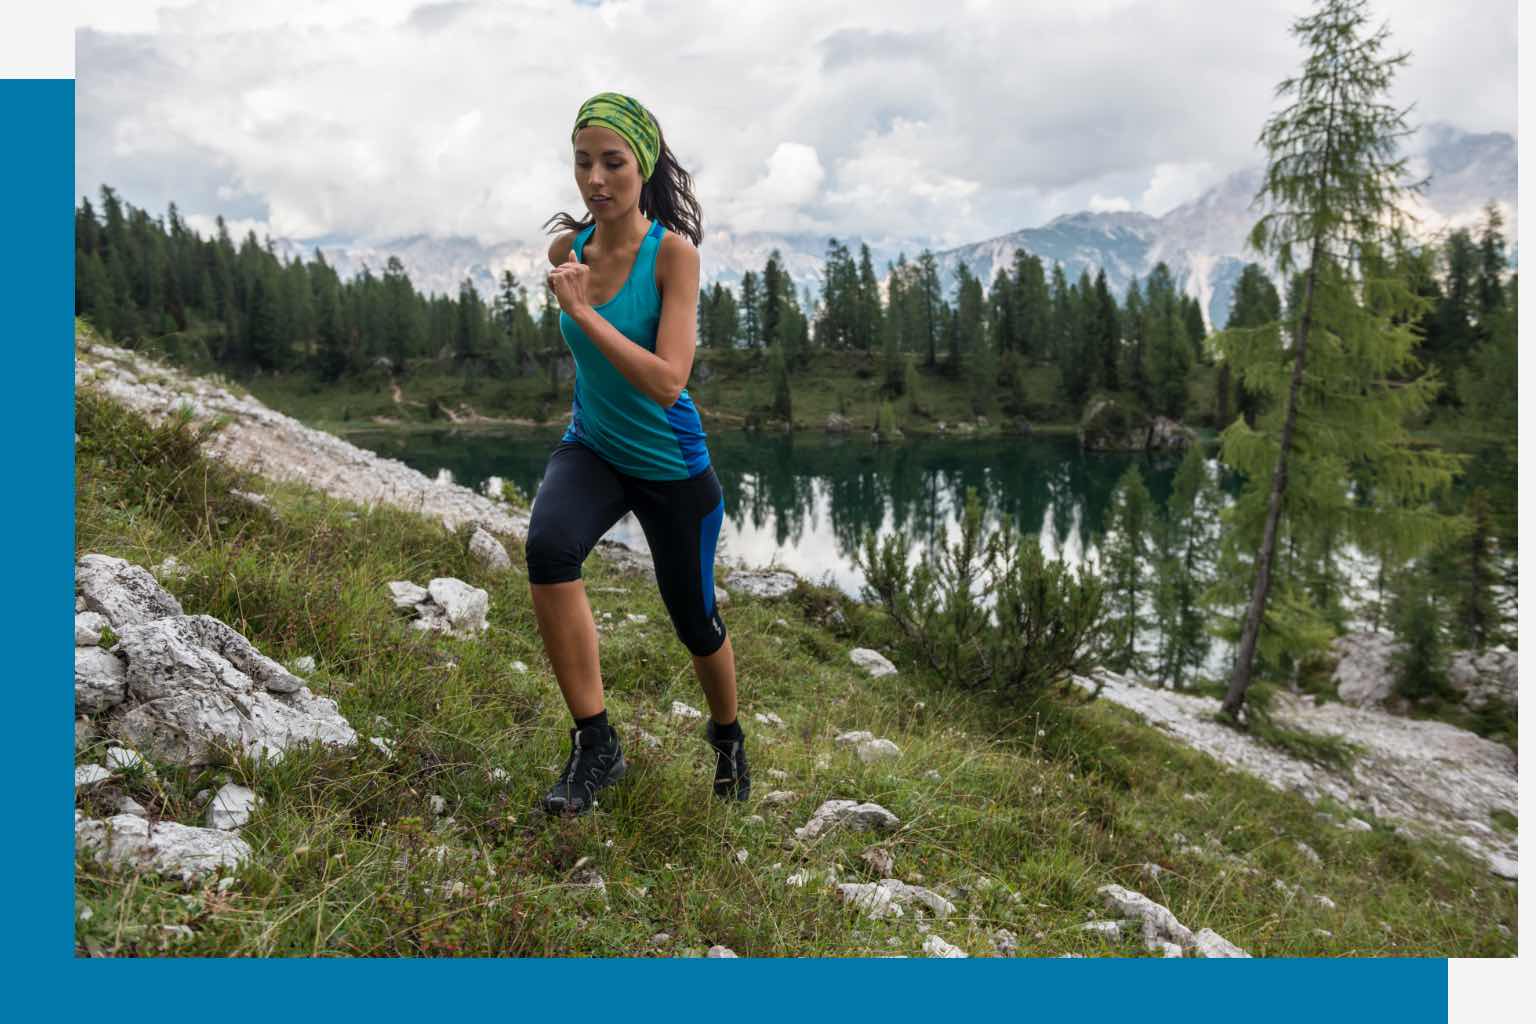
125 593
101 680
197 689
488 551
1167 435
873 662
165 847
838 424
1363 673
1483 677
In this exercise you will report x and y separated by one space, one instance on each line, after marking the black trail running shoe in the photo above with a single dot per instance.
733 780
596 762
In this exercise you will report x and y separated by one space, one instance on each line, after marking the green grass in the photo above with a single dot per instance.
1034 808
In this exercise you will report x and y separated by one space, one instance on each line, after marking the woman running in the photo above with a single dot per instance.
627 278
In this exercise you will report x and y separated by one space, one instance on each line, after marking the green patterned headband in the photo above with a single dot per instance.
624 115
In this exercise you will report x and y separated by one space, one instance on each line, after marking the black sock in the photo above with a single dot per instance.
731 731
601 718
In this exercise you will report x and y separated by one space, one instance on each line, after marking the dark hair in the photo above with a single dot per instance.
666 195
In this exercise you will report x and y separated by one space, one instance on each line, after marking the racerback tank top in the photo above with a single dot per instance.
609 414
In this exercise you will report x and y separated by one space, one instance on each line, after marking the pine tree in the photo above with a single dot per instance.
751 310
1123 559
1184 536
1333 190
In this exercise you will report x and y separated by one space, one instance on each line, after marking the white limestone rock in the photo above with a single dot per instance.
685 711
88 627
1364 674
1209 944
101 680
88 775
873 662
488 551
303 665
848 814
720 953
197 689
935 946
407 595
1157 922
230 807
853 739
123 592
1485 676
166 848
766 583
871 751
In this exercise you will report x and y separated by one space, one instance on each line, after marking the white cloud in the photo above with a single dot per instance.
1108 204
382 118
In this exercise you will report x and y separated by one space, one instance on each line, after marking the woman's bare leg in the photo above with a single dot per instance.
717 674
570 641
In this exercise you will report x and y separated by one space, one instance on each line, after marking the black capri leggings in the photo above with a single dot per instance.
582 496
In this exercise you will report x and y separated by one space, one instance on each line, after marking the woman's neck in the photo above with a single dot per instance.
620 237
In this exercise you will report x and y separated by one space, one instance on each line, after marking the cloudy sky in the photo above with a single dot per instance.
948 123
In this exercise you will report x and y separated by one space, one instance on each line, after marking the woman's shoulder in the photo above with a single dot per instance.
561 246
677 259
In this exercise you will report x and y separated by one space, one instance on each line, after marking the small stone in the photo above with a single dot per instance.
871 751
303 665
383 745
647 740
778 774
780 796
1209 944
1006 942
932 775
128 805
121 759
1309 853
518 666
1109 929
88 627
1504 867
720 953
853 739
1356 825
873 662
741 856
1151 870
935 946
88 775
637 618
768 719
660 939
681 710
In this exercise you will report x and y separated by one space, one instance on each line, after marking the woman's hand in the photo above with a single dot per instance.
569 281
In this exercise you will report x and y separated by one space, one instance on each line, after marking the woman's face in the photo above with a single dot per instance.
606 167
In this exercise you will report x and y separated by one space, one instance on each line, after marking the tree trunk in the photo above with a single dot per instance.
1242 676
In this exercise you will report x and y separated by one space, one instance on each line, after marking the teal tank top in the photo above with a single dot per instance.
609 414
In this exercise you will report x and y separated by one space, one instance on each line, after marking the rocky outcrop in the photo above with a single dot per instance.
766 583
187 689
1363 674
1160 929
1107 426
1485 677
871 661
261 440
1419 773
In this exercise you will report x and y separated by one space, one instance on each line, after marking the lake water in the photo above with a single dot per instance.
802 501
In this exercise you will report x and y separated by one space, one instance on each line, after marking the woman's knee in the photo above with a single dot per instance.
552 555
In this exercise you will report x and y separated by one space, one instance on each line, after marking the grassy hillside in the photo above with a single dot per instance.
1032 807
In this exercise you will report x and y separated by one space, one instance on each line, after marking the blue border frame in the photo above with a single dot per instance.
37 269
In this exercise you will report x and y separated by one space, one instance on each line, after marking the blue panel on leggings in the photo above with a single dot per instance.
684 418
709 533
